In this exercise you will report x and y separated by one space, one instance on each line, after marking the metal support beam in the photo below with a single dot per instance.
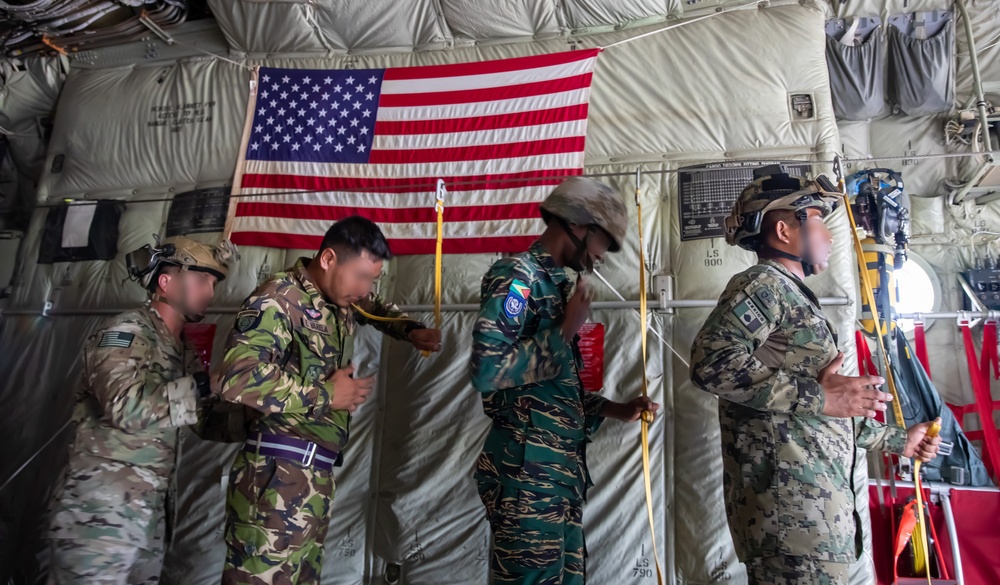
991 315
452 308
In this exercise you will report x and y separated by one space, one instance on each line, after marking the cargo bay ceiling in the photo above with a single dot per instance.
259 27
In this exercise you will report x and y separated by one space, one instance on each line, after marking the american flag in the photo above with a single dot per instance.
325 144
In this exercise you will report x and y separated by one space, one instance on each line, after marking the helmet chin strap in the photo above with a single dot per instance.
179 306
808 268
581 255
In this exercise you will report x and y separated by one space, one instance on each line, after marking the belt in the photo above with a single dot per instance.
305 452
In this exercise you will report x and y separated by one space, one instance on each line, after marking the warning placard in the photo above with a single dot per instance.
707 193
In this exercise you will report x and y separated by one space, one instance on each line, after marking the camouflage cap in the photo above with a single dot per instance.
775 192
584 201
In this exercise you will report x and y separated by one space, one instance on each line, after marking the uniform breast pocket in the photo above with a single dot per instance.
542 315
318 357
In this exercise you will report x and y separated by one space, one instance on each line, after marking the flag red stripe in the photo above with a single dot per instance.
406 185
479 152
485 67
489 94
425 214
400 247
514 120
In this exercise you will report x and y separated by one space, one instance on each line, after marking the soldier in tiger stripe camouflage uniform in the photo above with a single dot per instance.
532 473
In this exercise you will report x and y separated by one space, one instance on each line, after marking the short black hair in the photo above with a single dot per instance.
353 235
154 283
767 226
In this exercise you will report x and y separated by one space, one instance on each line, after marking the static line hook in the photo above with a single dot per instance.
638 178
838 169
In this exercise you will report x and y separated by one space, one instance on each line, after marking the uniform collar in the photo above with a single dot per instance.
343 314
781 267
805 290
307 284
163 331
548 263
798 282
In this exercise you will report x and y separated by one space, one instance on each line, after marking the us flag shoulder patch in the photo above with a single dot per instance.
116 339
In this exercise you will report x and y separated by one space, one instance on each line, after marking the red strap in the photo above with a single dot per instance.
989 356
984 401
942 568
921 347
866 366
859 341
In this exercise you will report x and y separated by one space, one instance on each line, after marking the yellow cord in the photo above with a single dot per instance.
371 317
439 207
647 415
924 532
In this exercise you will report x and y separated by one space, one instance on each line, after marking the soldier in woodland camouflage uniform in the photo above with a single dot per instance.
141 383
288 359
790 422
532 473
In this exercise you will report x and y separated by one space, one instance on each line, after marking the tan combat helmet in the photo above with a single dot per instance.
144 264
586 202
772 190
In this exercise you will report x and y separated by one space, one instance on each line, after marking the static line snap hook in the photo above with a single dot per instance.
638 178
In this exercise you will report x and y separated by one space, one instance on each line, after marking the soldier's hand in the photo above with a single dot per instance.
919 445
426 339
630 411
850 396
577 309
348 393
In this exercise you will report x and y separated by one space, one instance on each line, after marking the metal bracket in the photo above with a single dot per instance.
663 285
155 28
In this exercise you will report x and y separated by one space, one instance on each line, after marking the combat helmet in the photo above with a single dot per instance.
145 263
586 202
773 189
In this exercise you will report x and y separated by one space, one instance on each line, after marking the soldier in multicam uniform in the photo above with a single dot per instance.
790 423
288 359
532 473
141 382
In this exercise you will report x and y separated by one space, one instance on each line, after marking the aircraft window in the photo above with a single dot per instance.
919 291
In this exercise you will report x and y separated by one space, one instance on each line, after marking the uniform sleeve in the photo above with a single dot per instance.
128 383
502 357
254 364
396 329
875 436
593 404
723 359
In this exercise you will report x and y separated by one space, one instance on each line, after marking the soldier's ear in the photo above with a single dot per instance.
162 279
783 231
327 258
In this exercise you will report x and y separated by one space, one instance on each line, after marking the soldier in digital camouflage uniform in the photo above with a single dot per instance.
288 359
532 473
790 423
141 383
